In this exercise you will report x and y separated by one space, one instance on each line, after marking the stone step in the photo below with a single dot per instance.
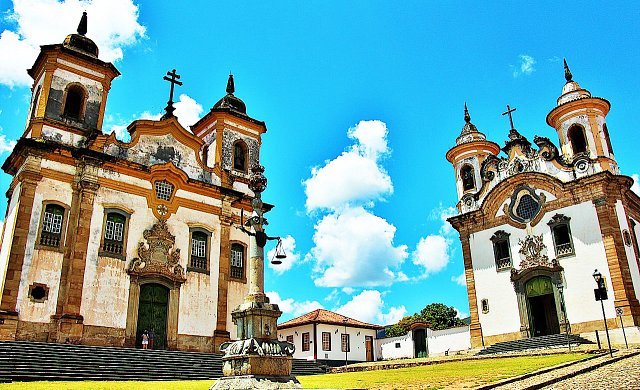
31 361
551 341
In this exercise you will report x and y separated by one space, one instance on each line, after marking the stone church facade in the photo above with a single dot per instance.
536 222
104 239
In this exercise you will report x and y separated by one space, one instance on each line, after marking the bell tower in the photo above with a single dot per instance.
580 121
471 149
70 90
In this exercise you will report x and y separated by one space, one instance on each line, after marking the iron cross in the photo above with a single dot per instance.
173 80
509 111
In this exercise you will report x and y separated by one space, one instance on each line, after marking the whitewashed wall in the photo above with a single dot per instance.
628 249
297 332
395 347
503 316
452 340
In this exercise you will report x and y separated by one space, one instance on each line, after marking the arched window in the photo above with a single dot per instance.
237 261
561 233
36 97
605 130
501 250
52 221
577 138
240 156
114 237
468 181
199 245
74 102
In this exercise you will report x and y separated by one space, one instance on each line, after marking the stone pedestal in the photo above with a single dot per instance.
255 382
69 327
8 325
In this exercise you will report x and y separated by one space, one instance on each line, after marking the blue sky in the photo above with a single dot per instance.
358 198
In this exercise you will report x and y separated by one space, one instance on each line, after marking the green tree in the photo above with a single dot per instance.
440 316
401 328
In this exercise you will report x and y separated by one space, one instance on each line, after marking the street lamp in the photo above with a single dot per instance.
560 287
601 295
346 342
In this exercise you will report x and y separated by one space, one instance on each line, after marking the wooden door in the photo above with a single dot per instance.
152 313
368 343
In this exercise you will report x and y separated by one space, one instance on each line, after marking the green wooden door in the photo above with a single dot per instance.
152 313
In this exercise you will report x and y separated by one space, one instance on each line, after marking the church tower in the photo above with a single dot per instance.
467 157
70 90
580 121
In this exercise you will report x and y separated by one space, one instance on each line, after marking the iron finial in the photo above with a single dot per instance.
82 26
231 88
467 117
567 73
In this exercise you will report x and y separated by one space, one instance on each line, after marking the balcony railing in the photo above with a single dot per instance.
237 273
113 247
504 263
564 249
50 239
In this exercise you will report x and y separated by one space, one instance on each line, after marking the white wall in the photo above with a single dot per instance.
356 339
452 340
395 347
503 315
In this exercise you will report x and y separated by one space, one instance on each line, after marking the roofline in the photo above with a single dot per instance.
340 323
45 48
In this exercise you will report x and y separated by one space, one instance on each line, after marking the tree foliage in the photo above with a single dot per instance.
436 315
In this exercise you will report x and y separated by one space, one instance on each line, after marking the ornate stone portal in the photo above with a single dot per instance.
258 360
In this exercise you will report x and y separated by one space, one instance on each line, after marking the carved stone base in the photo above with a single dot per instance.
69 327
256 382
271 366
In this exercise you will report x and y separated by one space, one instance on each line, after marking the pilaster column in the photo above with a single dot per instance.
475 328
624 294
221 334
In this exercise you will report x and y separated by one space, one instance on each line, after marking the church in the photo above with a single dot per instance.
105 239
540 223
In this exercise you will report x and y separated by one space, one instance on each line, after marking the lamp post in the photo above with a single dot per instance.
346 343
601 295
560 287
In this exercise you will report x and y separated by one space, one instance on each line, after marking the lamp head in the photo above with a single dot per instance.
597 276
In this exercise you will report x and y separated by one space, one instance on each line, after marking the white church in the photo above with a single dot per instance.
536 222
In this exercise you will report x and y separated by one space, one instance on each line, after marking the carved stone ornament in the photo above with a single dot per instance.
156 257
531 249
254 346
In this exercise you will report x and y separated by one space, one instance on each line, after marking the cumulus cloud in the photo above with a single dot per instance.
355 177
289 247
368 307
6 146
290 307
433 252
526 65
355 248
460 280
461 314
40 22
188 111
636 184
352 246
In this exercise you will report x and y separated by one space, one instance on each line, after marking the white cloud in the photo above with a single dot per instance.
355 177
6 145
355 248
291 307
41 22
636 184
461 314
460 280
367 307
526 65
289 247
348 290
187 111
432 254
332 295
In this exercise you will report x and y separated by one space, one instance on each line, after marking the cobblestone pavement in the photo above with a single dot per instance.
618 375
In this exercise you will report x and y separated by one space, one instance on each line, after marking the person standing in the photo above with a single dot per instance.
152 336
145 339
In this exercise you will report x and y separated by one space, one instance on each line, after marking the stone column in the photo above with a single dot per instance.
475 329
221 334
68 318
28 179
618 263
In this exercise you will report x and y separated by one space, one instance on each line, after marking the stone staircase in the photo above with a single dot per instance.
541 342
30 361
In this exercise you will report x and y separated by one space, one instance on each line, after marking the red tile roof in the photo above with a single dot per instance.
321 316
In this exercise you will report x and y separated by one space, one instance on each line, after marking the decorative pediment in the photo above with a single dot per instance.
155 258
558 219
532 248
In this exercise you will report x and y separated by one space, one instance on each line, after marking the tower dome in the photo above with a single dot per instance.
469 131
230 101
571 90
79 42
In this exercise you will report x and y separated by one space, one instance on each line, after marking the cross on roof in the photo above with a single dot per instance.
173 79
508 112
